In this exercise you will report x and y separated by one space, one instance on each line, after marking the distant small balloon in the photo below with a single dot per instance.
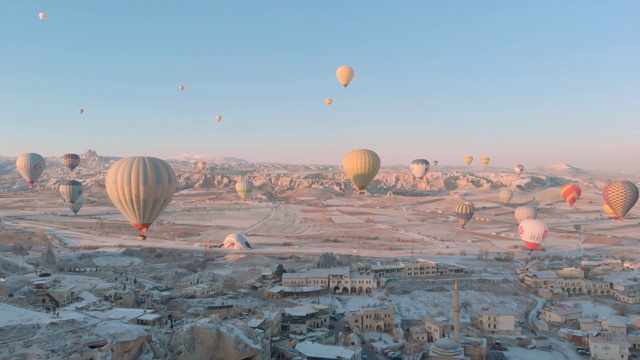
181 87
219 117
485 160
329 101
468 159
435 162
518 169
42 16
345 75
81 111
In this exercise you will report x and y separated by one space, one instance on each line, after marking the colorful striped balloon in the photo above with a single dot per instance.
570 193
71 161
609 211
620 196
464 213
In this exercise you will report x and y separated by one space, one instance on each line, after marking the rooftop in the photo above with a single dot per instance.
544 275
311 349
320 273
499 310
298 289
608 338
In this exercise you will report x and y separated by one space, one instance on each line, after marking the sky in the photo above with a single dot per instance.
532 82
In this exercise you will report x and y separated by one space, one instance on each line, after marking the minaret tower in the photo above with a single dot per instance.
456 313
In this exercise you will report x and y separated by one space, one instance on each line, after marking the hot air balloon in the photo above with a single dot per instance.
70 190
518 169
609 211
329 101
533 232
485 160
435 162
361 166
71 161
244 188
30 166
570 193
141 188
202 165
464 213
81 111
525 212
181 87
77 205
219 117
468 159
620 196
419 168
505 195
345 75
42 16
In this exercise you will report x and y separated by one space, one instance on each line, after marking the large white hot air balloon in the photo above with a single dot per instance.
30 166
525 212
419 168
533 232
141 187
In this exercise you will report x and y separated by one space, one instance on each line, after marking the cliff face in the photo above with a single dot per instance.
215 340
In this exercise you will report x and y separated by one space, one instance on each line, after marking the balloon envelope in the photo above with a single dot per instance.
609 211
505 195
525 212
70 190
43 16
570 193
77 205
464 213
30 166
620 196
329 101
435 162
485 160
533 232
419 168
345 75
219 117
468 159
181 87
244 188
202 165
361 166
141 187
71 161
518 169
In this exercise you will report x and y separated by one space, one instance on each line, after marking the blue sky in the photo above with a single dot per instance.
536 82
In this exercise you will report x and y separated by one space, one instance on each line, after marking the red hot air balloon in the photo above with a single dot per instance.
570 193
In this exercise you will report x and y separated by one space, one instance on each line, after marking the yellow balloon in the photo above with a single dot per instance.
468 159
345 75
141 187
361 166
485 160
219 117
202 165
329 101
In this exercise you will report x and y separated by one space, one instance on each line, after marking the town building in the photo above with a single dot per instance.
338 280
203 290
560 314
498 320
372 317
278 292
317 351
605 346
3 287
299 318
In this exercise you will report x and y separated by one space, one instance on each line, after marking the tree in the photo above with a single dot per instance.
279 271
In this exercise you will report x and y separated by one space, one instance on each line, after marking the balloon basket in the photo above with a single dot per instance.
142 237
